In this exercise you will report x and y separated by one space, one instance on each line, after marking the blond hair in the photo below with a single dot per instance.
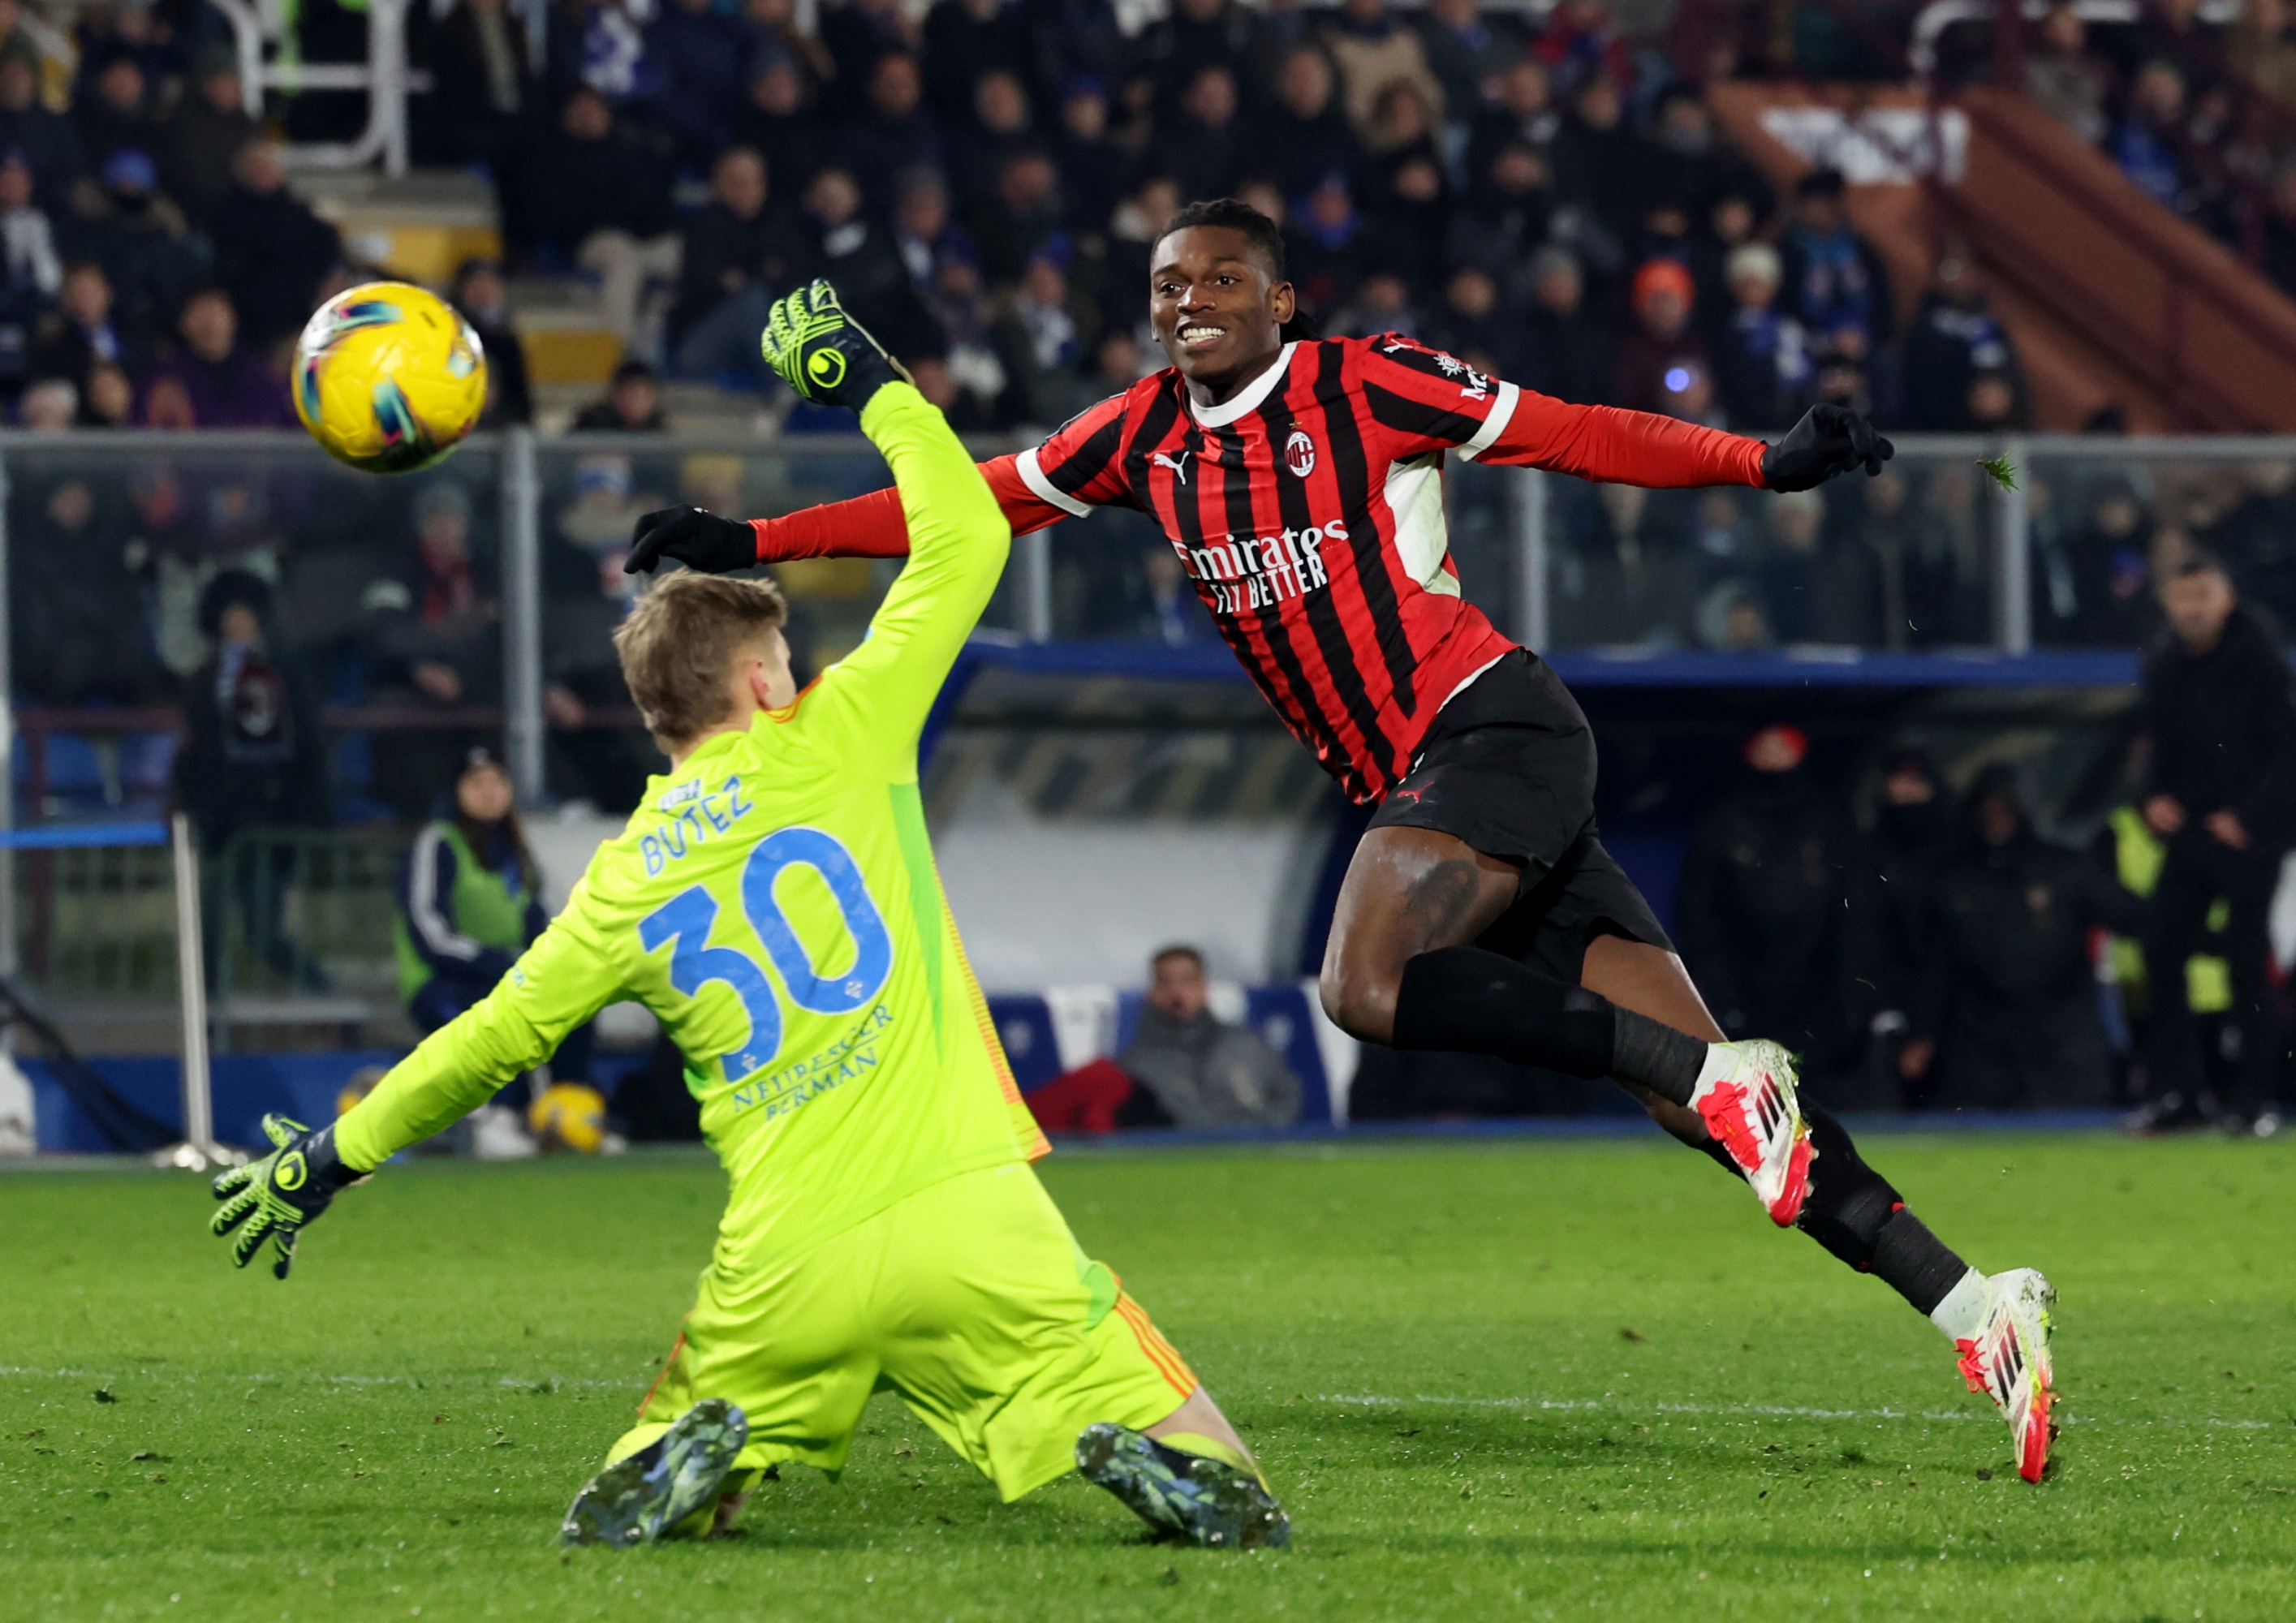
677 648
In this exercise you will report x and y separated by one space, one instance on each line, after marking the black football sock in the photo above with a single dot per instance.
1854 1213
1467 1000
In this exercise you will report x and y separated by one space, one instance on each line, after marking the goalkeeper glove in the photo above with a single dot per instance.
1829 439
277 1195
695 537
823 353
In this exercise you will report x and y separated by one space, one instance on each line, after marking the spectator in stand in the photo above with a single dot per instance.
1012 224
779 122
695 55
1762 363
2006 1016
1581 39
432 641
1600 163
2256 538
597 199
212 381
2146 139
1204 146
1305 136
1836 285
1382 304
1662 339
2220 789
2064 79
142 241
1470 324
1954 339
1519 111
483 93
1504 220
736 259
924 234
109 401
112 112
1183 1068
1912 828
1464 49
1199 34
1761 901
996 127
203 137
965 42
30 273
1629 581
1371 50
480 295
271 251
48 406
47 139
254 757
1566 354
84 330
893 131
838 240
1997 403
632 405
860 33
1096 170
76 635
1050 331
1815 589
2261 47
1327 252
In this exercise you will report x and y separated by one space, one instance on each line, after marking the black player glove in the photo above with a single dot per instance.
280 1193
695 537
1828 440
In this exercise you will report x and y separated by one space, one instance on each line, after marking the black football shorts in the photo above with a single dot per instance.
1509 768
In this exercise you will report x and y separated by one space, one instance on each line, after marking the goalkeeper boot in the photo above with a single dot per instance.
2008 1360
1183 1496
638 1499
823 353
1745 1096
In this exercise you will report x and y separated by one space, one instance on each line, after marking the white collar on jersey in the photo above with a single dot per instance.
1219 417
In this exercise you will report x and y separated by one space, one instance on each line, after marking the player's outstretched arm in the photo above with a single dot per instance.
959 537
872 526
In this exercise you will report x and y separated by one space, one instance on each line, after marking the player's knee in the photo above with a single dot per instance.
1358 1001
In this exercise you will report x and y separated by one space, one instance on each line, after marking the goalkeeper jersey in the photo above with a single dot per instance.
775 902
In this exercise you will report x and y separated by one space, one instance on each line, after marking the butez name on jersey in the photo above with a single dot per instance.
1261 570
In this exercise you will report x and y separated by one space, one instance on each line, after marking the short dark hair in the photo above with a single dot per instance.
1233 214
1177 950
2200 560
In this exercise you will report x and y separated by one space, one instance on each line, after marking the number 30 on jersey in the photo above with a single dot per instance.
683 924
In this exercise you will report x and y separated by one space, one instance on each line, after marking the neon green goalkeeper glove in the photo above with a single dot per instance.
273 1198
823 353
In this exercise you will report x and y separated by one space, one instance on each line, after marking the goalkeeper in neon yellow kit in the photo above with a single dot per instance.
775 902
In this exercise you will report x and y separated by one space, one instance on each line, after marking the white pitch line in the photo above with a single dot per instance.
1750 1410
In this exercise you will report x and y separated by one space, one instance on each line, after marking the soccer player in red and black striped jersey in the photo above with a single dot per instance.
1300 481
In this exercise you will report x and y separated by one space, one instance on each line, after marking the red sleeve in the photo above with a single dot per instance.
1425 400
873 526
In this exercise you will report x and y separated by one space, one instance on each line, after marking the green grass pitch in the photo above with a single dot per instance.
1491 1378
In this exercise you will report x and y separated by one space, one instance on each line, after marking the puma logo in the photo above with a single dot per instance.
1176 461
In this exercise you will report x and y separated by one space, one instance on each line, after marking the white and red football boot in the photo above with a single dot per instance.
1745 1096
2008 1360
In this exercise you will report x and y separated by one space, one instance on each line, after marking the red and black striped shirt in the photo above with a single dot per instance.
1308 511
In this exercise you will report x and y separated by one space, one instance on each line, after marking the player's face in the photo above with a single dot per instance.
1217 307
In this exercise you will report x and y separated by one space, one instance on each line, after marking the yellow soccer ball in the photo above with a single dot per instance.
568 1116
389 378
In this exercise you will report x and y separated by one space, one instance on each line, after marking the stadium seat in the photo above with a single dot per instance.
1024 1025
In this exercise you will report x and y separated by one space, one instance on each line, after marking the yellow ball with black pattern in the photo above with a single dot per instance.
389 377
568 1116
